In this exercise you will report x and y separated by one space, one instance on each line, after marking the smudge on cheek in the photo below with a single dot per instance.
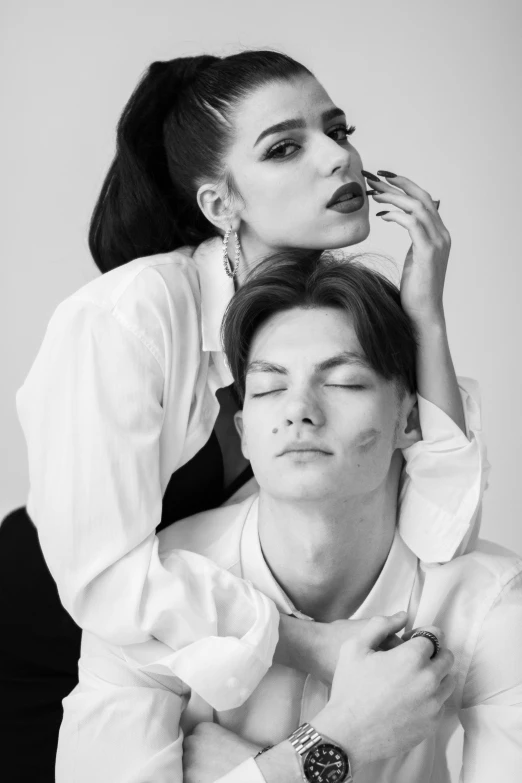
367 439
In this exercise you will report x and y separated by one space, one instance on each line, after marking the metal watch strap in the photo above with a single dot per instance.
306 738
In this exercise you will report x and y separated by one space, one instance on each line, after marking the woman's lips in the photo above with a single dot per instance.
347 198
348 205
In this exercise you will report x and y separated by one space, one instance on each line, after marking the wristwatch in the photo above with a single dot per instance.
322 761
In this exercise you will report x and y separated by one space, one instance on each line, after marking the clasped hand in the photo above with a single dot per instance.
386 697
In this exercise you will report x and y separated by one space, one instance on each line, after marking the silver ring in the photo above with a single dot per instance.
433 639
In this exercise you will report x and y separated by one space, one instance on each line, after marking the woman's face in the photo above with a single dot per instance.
290 155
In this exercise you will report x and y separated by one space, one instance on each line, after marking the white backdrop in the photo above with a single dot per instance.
433 87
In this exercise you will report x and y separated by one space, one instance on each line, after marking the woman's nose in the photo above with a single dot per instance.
334 157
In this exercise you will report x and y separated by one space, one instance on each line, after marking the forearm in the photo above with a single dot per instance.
280 764
294 643
436 378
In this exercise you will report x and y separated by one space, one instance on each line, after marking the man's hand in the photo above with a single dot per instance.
211 751
383 704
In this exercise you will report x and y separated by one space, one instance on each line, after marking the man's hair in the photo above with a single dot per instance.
309 279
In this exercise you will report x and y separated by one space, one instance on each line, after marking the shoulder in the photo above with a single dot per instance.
477 601
484 572
215 534
154 276
151 299
482 609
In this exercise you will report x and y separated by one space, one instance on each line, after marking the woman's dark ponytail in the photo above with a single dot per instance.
173 132
138 212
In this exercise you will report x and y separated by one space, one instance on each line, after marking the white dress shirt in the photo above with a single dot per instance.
125 724
121 395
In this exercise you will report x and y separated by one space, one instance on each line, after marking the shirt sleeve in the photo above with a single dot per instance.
491 712
121 726
444 479
124 726
247 772
92 413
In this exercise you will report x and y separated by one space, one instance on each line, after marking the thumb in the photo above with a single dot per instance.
377 629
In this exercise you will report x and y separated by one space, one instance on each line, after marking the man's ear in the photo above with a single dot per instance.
408 427
238 421
217 207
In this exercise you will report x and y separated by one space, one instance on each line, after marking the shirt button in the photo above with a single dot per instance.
232 682
243 692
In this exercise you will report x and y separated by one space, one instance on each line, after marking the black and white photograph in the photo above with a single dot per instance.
260 399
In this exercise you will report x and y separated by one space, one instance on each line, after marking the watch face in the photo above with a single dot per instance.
326 764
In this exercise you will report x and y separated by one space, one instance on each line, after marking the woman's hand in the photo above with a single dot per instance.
422 286
211 751
424 271
314 648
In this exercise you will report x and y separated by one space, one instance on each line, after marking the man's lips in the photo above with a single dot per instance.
301 446
345 193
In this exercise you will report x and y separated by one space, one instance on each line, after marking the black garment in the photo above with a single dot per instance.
40 643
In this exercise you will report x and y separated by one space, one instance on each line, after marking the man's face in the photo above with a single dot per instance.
318 422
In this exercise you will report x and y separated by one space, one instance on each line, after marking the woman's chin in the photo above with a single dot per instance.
353 233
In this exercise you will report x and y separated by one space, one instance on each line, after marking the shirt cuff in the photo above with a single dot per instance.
437 427
444 481
223 670
247 772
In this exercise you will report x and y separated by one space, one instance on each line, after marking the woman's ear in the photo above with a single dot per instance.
238 421
217 207
408 426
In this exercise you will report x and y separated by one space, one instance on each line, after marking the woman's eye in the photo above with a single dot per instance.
341 132
281 149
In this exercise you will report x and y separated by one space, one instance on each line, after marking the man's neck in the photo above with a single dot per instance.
327 556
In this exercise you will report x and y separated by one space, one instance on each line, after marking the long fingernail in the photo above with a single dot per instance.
380 214
371 192
370 176
387 174
437 204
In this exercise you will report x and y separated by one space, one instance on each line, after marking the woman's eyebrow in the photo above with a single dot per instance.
326 116
259 365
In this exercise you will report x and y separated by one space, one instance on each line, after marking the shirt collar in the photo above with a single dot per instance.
391 592
217 289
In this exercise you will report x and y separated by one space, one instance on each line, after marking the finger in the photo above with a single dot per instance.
390 643
411 188
446 688
418 235
439 633
377 629
426 645
412 206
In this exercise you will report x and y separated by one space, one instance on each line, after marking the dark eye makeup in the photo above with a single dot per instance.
340 133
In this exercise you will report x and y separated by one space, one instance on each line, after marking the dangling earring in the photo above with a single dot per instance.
231 269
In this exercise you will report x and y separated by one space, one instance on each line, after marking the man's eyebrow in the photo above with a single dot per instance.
326 116
346 358
259 365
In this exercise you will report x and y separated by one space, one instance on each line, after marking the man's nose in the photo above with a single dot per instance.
304 408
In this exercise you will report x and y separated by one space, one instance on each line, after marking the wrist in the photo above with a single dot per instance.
280 764
431 325
343 733
297 643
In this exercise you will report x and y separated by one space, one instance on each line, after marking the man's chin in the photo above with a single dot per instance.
303 492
